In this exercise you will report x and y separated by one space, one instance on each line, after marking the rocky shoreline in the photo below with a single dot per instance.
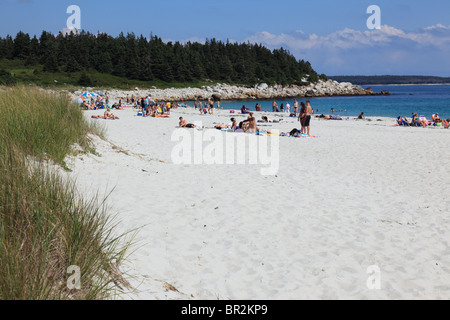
230 92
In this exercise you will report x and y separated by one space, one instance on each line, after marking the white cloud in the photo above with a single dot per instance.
388 48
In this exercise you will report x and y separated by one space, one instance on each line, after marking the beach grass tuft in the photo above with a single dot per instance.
46 227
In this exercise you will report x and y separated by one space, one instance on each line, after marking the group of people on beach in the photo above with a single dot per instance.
206 107
421 121
149 108
146 106
249 125
100 102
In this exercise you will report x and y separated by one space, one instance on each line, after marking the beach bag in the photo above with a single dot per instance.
295 133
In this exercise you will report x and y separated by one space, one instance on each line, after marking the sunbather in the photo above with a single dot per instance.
265 119
417 121
231 126
446 123
183 124
109 115
402 121
157 115
436 118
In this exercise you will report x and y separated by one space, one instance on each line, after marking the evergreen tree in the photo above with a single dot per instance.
147 60
8 48
85 80
51 63
22 45
104 63
72 65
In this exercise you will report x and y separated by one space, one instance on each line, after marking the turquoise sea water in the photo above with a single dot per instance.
404 100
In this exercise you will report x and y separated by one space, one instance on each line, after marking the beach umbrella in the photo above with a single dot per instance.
89 94
80 100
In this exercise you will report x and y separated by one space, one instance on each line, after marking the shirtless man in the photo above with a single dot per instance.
252 125
274 106
308 112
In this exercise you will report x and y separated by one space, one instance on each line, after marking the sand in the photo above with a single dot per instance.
361 211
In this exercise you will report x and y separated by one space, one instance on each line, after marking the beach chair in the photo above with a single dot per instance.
402 122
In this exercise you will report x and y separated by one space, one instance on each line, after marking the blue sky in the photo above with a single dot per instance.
331 34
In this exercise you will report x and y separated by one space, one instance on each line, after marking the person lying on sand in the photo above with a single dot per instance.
103 117
231 126
108 115
183 124
266 119
157 115
329 117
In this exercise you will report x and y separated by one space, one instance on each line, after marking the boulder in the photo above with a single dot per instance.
263 86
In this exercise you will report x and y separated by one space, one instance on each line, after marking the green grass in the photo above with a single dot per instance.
45 225
42 125
34 75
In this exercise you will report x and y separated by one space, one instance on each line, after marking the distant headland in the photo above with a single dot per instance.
391 79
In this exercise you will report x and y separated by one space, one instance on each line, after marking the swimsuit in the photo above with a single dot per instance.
307 120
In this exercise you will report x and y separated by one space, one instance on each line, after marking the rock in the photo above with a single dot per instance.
263 86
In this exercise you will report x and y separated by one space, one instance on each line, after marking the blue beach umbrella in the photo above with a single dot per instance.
89 94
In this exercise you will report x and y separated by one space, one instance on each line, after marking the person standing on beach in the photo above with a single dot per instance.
210 106
295 107
288 107
307 116
301 117
274 106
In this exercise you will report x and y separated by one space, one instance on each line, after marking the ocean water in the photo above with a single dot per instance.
403 101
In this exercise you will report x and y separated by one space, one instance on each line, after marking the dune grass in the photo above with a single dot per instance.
45 225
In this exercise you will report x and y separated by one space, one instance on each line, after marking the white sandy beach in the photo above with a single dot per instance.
360 194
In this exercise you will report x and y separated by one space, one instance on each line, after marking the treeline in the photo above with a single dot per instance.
374 80
139 58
